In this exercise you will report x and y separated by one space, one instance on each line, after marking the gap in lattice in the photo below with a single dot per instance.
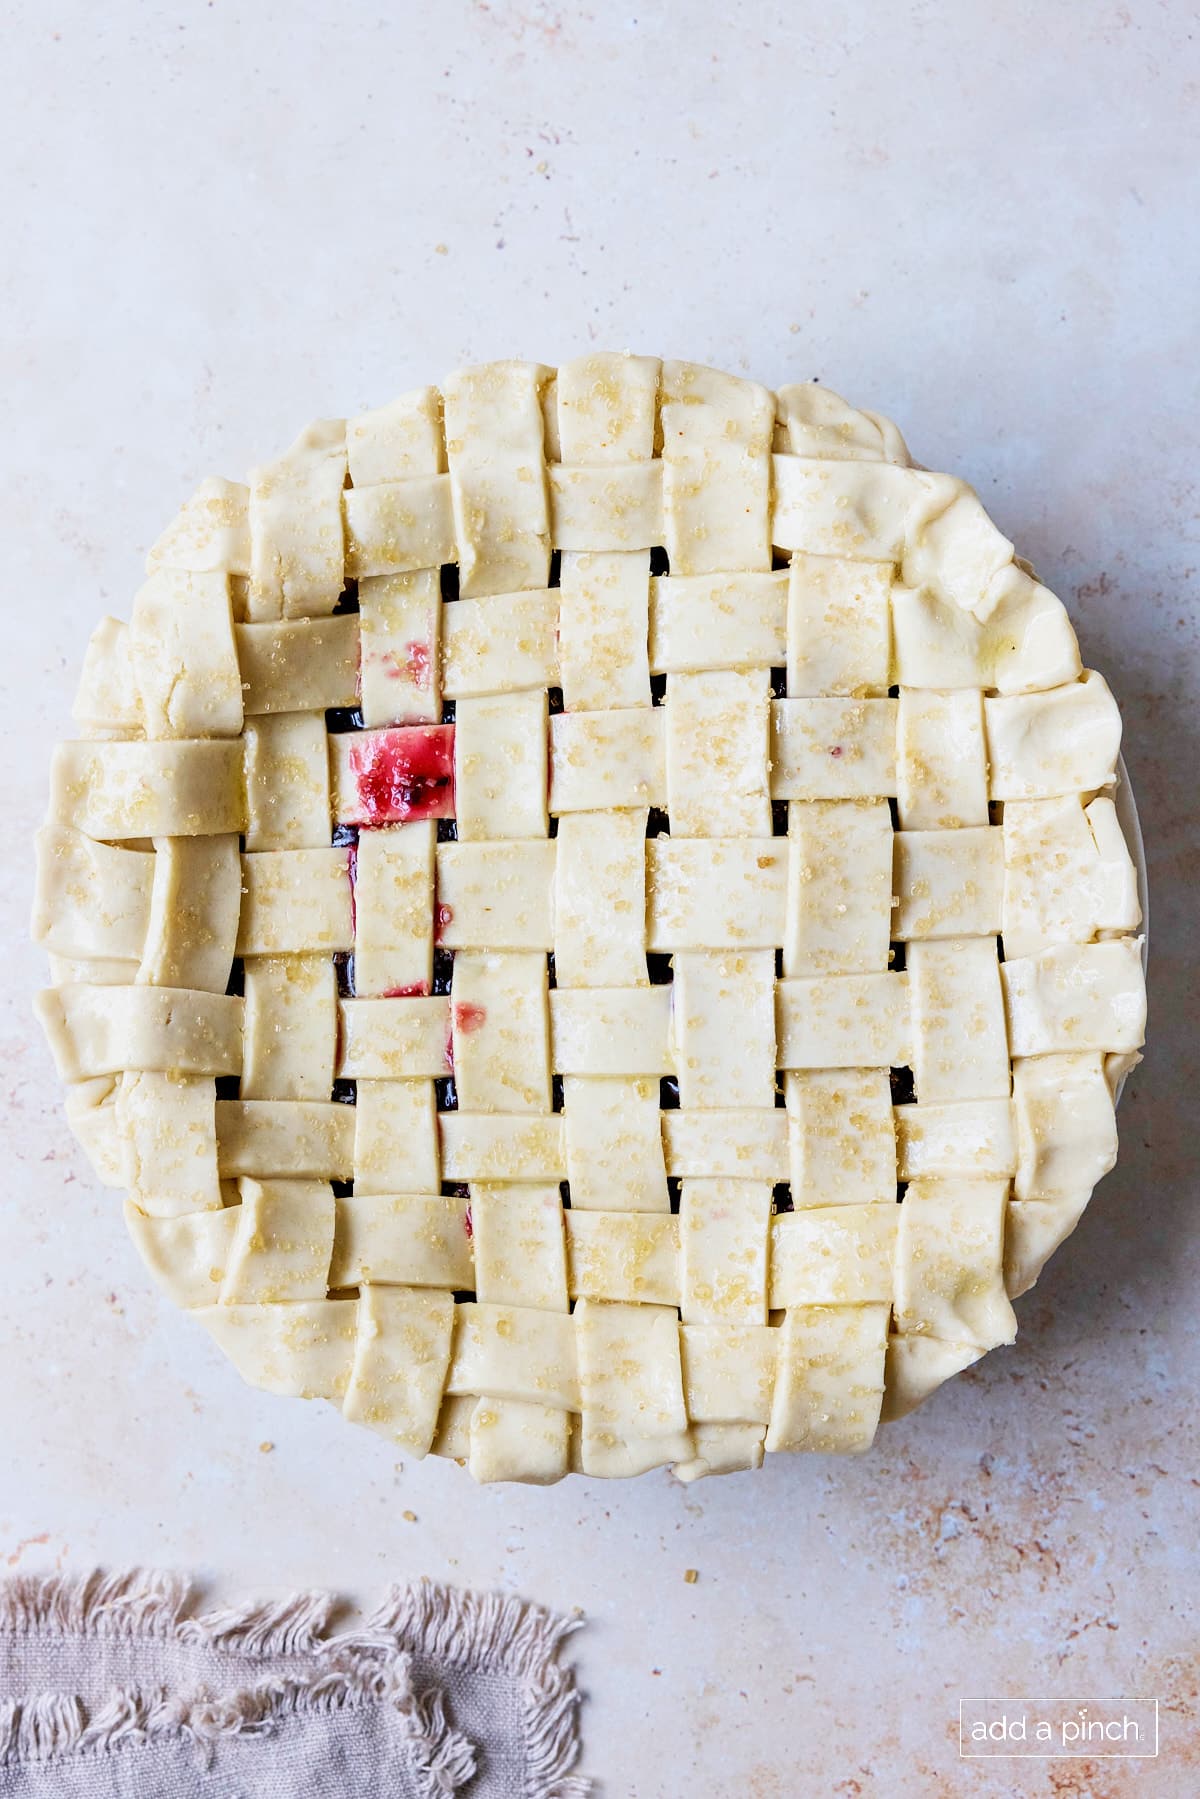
450 581
658 689
343 965
779 818
999 949
658 822
779 683
995 812
447 1094
345 1093
904 1091
448 712
554 701
668 1094
443 970
901 1190
235 986
894 809
780 559
447 830
455 1190
229 1086
781 1197
341 719
674 1191
564 1193
557 1098
659 967
552 828
897 958
660 562
342 1189
551 971
347 599
555 577
779 965
893 693
344 836
780 1089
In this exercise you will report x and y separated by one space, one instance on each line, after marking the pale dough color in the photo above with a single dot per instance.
827 797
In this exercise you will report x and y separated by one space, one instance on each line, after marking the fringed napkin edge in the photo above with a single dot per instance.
367 1664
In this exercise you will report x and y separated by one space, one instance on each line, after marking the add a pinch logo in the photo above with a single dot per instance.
1046 1728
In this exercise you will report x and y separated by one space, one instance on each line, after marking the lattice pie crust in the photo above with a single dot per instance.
547 866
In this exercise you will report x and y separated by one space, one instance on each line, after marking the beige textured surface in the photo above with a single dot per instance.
935 222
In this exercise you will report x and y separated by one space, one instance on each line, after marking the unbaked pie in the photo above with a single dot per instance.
548 866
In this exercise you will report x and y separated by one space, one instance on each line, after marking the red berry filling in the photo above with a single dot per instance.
414 990
419 663
403 774
468 1016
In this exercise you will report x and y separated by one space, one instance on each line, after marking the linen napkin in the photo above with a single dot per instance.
116 1687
